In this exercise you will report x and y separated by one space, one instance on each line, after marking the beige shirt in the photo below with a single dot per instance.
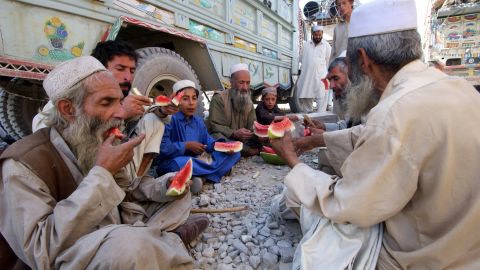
340 40
41 230
415 168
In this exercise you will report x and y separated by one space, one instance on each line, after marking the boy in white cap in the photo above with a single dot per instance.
186 137
231 113
413 168
62 205
315 58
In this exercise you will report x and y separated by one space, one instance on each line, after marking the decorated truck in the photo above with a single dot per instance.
455 38
175 39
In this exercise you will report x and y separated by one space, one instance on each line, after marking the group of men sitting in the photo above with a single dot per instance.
404 193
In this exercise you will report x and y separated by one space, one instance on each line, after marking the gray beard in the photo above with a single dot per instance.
361 94
84 136
242 103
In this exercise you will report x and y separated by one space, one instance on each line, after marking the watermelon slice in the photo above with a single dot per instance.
179 181
260 130
277 129
228 147
273 159
116 132
177 98
269 150
135 92
162 100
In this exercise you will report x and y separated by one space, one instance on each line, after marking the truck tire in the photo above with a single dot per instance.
21 108
159 68
4 115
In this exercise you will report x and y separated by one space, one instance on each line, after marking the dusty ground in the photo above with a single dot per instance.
251 239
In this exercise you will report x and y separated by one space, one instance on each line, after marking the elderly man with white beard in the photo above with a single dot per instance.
231 113
414 167
61 203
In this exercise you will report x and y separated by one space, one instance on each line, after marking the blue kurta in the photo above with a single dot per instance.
173 154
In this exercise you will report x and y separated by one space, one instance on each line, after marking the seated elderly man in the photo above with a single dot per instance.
231 113
413 169
61 202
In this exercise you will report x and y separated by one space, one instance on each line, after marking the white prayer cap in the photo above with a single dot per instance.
342 54
183 84
383 16
316 28
68 74
238 67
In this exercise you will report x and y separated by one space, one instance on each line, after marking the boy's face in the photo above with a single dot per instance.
269 100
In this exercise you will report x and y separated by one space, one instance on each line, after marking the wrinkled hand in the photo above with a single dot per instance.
293 117
170 109
316 131
285 149
318 124
133 105
195 147
114 157
242 134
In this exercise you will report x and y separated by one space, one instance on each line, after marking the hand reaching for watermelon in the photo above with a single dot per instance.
133 105
284 148
242 134
114 157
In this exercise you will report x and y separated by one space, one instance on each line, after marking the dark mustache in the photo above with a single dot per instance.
128 84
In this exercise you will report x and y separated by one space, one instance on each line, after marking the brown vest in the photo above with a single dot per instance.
37 153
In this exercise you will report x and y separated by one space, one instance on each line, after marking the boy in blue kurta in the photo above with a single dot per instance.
187 137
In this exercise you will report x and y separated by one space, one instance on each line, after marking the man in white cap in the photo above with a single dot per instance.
413 168
61 202
315 58
231 112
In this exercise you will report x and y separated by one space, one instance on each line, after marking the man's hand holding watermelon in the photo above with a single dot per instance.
285 149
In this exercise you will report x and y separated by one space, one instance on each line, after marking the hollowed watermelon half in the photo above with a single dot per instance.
269 150
277 129
260 130
228 147
115 131
177 98
162 100
273 159
179 181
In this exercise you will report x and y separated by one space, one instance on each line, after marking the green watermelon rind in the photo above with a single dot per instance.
277 130
272 158
187 175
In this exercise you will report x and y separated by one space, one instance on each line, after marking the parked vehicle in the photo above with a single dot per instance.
176 39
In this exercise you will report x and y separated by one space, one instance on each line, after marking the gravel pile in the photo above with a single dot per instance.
251 239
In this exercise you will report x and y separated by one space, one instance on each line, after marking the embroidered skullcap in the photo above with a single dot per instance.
238 67
183 84
269 90
316 28
383 16
69 73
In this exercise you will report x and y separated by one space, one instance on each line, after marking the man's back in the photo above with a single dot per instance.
431 123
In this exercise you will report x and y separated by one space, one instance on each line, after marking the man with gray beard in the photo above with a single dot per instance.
414 167
62 204
231 113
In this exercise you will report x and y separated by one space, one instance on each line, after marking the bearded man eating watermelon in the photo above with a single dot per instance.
187 137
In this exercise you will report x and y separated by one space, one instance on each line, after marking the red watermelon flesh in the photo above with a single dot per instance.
227 147
162 100
277 129
260 130
269 150
179 181
177 98
116 132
